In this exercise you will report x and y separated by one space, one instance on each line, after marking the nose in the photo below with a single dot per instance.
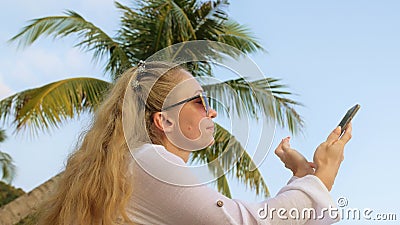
212 113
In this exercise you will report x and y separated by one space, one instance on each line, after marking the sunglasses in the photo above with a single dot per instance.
202 96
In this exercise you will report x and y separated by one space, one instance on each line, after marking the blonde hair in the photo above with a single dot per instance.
96 187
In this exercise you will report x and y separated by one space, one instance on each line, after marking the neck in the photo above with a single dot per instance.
177 151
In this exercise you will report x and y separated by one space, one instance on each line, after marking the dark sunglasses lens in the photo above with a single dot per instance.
206 105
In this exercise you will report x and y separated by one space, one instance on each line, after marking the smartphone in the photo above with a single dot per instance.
348 117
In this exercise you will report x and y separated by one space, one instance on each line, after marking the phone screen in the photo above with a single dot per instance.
348 117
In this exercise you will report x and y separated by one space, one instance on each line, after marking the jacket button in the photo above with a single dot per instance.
220 203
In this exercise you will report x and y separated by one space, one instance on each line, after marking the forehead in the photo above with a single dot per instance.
187 87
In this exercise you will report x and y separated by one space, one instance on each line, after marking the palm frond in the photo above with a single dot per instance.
156 25
185 23
92 38
6 162
233 159
223 186
210 17
7 167
140 31
47 106
238 36
252 98
222 180
3 135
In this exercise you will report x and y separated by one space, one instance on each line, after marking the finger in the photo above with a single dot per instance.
347 134
334 135
279 150
286 144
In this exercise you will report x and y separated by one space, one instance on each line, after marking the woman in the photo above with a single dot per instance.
130 167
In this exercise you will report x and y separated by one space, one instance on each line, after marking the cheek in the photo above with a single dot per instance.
192 134
189 124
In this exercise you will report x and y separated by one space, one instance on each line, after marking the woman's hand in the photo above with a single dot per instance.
329 155
293 160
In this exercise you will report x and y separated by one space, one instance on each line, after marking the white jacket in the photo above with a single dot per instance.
157 200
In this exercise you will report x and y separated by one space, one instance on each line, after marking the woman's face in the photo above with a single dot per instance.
192 128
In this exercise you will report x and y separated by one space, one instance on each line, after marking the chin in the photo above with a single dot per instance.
205 143
211 142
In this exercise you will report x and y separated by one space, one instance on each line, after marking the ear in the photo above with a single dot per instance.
163 122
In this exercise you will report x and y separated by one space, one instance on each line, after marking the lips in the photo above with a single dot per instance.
210 127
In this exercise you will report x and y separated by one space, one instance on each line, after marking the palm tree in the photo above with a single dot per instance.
147 27
6 162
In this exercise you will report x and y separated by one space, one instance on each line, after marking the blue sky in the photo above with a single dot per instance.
332 54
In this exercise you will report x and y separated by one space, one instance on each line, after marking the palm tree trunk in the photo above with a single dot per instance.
26 204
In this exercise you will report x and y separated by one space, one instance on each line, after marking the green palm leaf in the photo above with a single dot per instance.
223 186
6 162
92 38
252 98
2 135
171 22
239 36
47 106
7 167
185 23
